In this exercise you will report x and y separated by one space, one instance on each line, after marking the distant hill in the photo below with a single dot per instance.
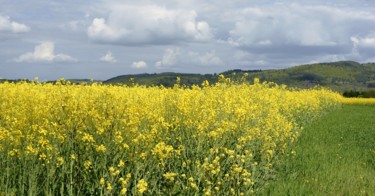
340 76
166 79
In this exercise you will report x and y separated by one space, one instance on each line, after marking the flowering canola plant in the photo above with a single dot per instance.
69 139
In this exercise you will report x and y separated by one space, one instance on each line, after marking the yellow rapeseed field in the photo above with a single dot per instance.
358 101
67 139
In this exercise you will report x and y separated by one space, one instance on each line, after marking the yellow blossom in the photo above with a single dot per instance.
162 151
170 176
101 181
87 165
60 161
109 187
142 186
101 148
123 191
121 164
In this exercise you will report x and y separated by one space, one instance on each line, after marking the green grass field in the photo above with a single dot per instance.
334 156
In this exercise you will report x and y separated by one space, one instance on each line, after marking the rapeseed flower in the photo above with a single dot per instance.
142 186
170 176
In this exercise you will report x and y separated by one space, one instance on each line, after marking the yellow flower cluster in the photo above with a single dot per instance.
142 186
102 139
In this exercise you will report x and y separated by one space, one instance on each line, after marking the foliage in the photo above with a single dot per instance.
363 94
94 139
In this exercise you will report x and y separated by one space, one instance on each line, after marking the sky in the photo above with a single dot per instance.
101 39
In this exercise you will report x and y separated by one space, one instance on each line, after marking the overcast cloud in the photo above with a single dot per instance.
104 39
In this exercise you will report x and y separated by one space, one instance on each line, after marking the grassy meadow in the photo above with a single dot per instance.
333 156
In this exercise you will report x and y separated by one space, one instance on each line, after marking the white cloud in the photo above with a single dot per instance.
173 57
148 24
7 25
363 47
100 31
44 52
108 58
170 58
367 41
139 64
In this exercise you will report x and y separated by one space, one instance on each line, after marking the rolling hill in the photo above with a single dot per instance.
340 76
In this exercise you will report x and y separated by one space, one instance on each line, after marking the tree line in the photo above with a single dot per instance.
364 94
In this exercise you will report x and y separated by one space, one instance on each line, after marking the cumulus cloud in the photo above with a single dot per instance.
108 58
100 31
367 41
148 24
44 52
173 57
139 64
170 58
7 25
